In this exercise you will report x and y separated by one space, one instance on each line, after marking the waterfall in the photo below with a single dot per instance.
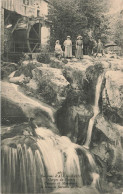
96 111
40 165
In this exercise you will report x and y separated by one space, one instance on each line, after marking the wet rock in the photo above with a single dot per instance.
105 64
101 151
119 129
19 80
56 63
25 62
92 75
114 91
106 142
34 63
108 128
110 155
74 73
7 68
11 113
53 85
116 64
17 108
73 121
26 68
15 130
32 85
12 74
73 70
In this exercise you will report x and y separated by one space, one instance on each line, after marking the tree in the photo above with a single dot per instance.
119 31
74 17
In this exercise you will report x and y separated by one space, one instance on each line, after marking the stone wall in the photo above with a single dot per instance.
45 36
28 8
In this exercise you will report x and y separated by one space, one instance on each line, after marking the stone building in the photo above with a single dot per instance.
24 26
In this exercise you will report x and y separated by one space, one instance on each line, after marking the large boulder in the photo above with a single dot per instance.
53 85
26 68
107 143
17 108
19 80
23 74
116 64
55 63
113 91
73 69
7 68
109 129
33 85
104 63
74 72
15 130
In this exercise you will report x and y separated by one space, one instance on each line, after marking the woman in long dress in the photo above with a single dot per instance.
58 50
79 47
68 47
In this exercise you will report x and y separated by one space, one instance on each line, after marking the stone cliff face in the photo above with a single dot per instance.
62 94
113 91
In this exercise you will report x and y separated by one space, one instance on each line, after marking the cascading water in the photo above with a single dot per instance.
96 111
40 165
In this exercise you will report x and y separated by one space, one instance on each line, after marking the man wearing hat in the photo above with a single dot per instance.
68 47
79 47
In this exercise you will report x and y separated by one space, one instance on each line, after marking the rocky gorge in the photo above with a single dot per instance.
46 114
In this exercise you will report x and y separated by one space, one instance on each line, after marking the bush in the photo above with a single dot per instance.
43 57
47 92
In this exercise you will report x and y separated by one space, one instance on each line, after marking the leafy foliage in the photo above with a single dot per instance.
43 57
47 92
75 97
74 17
119 31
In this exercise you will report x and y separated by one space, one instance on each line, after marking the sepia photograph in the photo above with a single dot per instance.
61 97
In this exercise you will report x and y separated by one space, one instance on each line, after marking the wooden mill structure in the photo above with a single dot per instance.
25 25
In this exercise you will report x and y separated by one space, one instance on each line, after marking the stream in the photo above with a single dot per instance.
49 162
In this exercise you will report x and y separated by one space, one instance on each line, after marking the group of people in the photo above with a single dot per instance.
68 48
79 48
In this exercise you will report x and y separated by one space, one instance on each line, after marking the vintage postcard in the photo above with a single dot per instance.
61 96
